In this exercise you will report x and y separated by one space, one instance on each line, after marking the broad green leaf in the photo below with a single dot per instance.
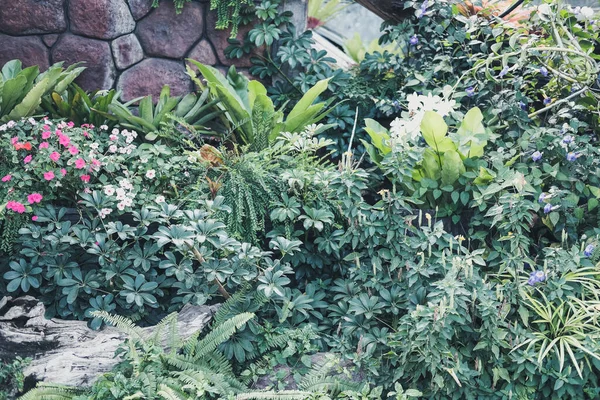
452 167
471 136
431 164
309 97
379 136
31 102
434 131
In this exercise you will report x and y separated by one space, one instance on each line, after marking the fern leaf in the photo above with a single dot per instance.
123 324
168 393
48 391
283 395
220 334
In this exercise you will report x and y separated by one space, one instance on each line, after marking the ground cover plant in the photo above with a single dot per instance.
435 231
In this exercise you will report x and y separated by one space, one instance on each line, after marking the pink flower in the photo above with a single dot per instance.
54 156
63 171
34 198
111 137
6 178
79 163
44 145
14 140
15 206
96 163
70 124
85 178
46 134
73 150
46 127
64 140
27 159
34 218
49 175
58 132
87 135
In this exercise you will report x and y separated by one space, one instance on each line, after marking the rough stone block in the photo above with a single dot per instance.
150 75
126 51
166 34
100 69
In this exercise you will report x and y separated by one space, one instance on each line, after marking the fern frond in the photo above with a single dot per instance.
220 334
123 324
168 393
226 309
283 395
167 321
48 391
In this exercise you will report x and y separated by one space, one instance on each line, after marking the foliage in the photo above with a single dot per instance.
192 110
11 377
251 113
80 107
186 369
22 90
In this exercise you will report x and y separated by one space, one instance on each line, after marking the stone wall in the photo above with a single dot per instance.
125 44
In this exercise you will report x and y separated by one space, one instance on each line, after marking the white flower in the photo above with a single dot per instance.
544 9
115 131
104 212
134 134
3 127
11 124
143 160
445 107
585 14
95 146
125 184
87 190
414 102
129 139
32 121
430 102
112 148
121 206
150 174
160 199
104 127
121 195
109 190
127 201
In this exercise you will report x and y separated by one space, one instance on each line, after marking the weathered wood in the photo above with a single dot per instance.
389 10
68 352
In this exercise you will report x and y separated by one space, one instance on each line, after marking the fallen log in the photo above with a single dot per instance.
68 352
389 10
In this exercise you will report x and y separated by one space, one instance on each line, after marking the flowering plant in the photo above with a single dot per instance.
42 161
39 157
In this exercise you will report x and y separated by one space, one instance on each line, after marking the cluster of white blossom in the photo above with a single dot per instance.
407 127
124 193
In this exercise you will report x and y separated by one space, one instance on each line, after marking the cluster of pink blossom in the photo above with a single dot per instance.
52 158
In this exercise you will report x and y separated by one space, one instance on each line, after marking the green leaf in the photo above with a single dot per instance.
308 98
471 135
434 131
30 102
452 167
379 136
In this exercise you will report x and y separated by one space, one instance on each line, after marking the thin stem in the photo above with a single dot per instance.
573 95
201 260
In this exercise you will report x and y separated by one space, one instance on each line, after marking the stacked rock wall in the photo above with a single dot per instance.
125 44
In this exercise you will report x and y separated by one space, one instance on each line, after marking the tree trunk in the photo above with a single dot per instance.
389 10
68 352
